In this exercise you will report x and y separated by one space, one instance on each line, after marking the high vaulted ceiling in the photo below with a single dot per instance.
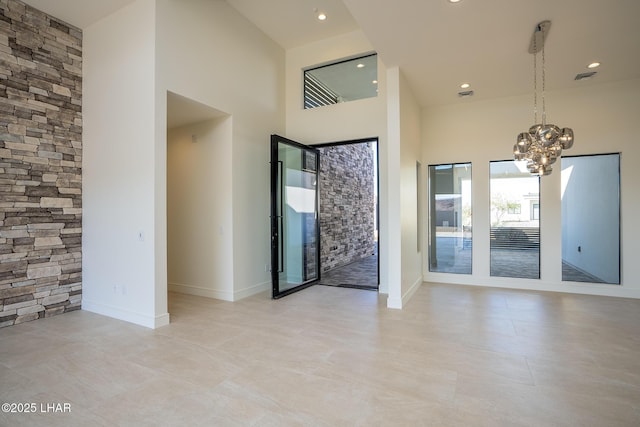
438 45
80 13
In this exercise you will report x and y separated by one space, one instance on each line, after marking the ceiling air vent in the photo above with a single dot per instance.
465 93
585 76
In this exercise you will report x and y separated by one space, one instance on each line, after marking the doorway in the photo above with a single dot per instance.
299 257
349 214
199 217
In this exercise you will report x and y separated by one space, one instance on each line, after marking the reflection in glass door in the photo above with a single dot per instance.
295 242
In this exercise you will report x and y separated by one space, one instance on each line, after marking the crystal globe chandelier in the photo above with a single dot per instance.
544 142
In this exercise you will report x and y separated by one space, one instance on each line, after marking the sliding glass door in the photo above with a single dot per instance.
295 231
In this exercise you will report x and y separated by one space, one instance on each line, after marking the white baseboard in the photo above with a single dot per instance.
598 289
162 320
398 303
251 290
412 290
219 294
200 291
145 320
394 303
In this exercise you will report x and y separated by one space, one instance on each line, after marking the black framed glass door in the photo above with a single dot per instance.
295 228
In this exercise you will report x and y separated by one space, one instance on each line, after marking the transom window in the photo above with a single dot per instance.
341 81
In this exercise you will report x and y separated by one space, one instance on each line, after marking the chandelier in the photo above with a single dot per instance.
544 142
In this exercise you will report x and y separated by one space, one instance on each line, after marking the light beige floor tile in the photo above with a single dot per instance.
455 356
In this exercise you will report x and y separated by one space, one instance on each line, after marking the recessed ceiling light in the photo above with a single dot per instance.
464 85
454 1
375 82
360 65
322 16
593 65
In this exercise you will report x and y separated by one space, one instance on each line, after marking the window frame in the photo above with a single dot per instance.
329 90
430 215
619 198
500 243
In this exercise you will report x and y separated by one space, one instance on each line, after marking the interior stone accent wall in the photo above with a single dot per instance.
347 204
40 164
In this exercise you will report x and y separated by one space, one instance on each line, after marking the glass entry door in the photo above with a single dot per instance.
295 229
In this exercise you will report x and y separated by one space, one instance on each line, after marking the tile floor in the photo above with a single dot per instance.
361 274
326 356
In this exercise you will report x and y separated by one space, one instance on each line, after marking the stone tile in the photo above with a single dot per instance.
36 272
44 129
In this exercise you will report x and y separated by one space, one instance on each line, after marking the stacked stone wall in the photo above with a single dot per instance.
347 204
40 164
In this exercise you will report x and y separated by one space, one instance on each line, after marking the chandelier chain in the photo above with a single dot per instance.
535 80
544 109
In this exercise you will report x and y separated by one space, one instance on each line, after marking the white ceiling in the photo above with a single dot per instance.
293 23
183 111
439 45
80 13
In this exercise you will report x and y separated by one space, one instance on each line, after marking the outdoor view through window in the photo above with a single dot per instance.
515 220
450 218
591 218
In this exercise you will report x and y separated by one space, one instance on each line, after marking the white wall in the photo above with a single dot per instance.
198 209
603 118
403 114
210 53
203 50
118 166
410 153
363 118
390 195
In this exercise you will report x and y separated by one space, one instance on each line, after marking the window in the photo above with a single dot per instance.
514 208
515 237
341 81
450 233
535 211
591 218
